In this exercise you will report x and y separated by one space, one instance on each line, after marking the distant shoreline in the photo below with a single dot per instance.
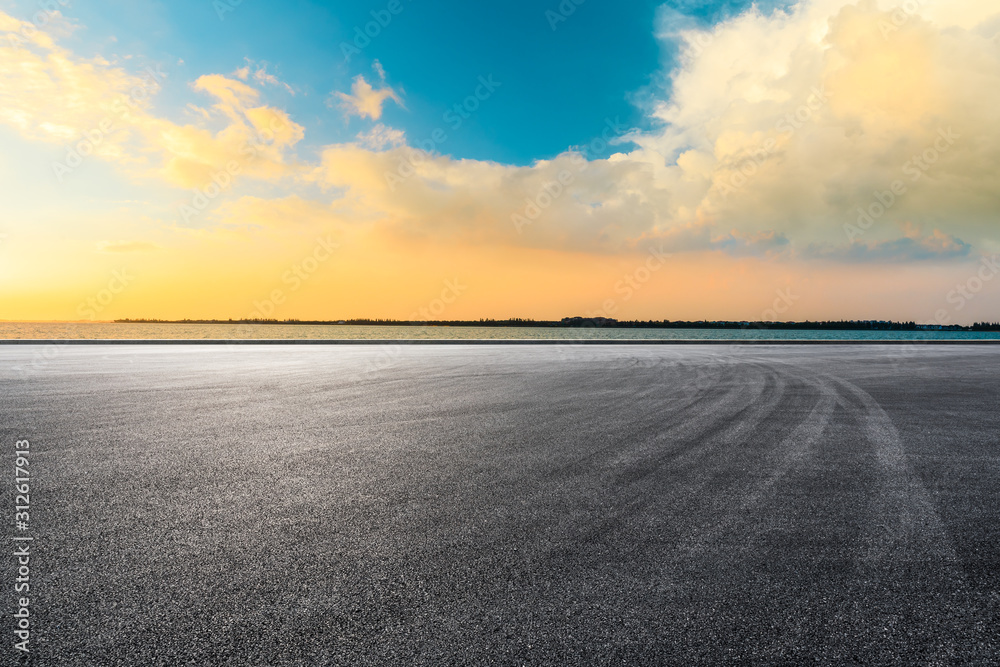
605 323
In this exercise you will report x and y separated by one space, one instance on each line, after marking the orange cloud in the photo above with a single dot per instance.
366 101
95 107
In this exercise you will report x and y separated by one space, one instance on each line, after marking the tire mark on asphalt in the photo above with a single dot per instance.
691 443
905 529
910 526
788 454
585 465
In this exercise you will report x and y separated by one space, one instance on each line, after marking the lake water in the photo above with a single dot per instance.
107 330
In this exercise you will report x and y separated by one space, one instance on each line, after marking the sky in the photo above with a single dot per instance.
687 160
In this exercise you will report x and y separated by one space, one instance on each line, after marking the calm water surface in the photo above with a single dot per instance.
106 330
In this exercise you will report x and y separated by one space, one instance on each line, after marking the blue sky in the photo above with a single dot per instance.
558 85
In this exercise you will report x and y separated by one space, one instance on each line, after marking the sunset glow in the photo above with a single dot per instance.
837 158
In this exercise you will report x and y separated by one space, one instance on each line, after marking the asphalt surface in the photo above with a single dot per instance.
492 505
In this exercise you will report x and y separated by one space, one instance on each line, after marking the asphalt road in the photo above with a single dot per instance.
493 505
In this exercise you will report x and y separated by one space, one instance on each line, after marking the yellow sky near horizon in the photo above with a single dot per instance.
783 135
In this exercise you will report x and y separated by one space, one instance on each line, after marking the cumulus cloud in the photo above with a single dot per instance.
52 95
381 136
793 120
704 238
257 139
780 128
258 72
48 94
909 248
364 99
567 202
780 125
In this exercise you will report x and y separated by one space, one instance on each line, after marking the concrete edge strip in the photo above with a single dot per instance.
482 341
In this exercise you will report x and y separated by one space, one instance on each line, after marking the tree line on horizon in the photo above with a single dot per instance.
602 322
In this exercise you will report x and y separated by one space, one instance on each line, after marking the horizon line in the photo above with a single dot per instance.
566 322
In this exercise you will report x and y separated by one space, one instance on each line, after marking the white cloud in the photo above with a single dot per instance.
364 99
258 72
380 137
779 127
792 121
49 94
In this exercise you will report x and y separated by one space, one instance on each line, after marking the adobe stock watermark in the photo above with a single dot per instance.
92 306
958 298
40 19
915 168
454 117
436 306
363 35
699 42
433 310
707 375
631 283
900 16
967 291
784 300
39 360
551 190
626 288
120 108
788 124
222 179
223 7
22 545
295 277
562 12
